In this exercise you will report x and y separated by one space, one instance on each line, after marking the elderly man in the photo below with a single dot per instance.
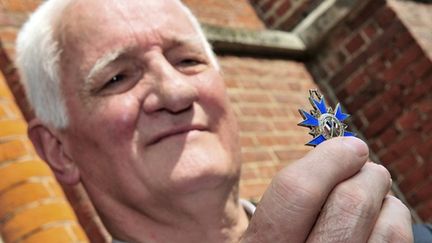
131 102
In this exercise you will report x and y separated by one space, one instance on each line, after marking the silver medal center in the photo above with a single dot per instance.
330 126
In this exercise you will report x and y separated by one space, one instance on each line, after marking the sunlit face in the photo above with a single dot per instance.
149 115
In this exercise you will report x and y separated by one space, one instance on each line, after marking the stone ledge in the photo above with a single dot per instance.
252 42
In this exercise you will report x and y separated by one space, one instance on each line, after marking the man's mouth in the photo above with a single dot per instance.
175 132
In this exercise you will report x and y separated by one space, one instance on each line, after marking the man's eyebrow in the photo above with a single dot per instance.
104 61
191 40
110 57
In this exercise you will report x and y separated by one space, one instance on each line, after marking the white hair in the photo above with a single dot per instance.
38 60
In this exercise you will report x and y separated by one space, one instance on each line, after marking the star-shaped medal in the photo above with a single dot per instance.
324 123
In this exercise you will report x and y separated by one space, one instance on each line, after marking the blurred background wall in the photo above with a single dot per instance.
374 57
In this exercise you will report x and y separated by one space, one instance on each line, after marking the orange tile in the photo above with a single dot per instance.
51 235
29 220
21 171
13 128
20 5
4 88
12 150
22 195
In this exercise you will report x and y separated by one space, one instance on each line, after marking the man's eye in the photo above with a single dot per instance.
189 62
117 78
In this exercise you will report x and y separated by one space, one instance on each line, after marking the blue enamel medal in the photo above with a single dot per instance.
323 121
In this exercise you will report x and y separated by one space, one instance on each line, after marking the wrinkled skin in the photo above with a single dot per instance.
155 142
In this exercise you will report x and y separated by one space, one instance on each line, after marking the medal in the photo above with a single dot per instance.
323 121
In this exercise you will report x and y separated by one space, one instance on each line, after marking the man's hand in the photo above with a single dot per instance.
333 194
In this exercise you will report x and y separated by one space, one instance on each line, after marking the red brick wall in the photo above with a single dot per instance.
383 76
378 64
236 13
284 14
371 63
266 95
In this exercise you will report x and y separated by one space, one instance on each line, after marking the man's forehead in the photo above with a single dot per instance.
82 15
90 35
107 7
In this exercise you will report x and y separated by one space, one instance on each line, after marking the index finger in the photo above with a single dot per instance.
293 200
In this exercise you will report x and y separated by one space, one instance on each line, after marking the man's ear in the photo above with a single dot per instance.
50 148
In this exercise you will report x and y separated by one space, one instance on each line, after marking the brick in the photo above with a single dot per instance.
409 120
366 13
425 149
356 84
266 170
12 150
240 15
247 141
424 106
407 79
28 220
54 235
253 191
8 34
266 140
20 5
282 9
388 136
421 194
382 122
370 30
421 67
21 171
22 195
3 114
355 64
411 181
401 64
404 143
373 109
425 211
419 90
385 17
250 98
403 39
266 7
291 99
405 164
12 128
254 126
248 174
256 156
287 125
231 83
355 44
426 128
256 111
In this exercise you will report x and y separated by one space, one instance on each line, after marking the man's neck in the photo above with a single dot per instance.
210 218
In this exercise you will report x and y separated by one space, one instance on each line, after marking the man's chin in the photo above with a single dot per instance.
205 181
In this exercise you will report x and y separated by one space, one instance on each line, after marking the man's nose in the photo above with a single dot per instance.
172 91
